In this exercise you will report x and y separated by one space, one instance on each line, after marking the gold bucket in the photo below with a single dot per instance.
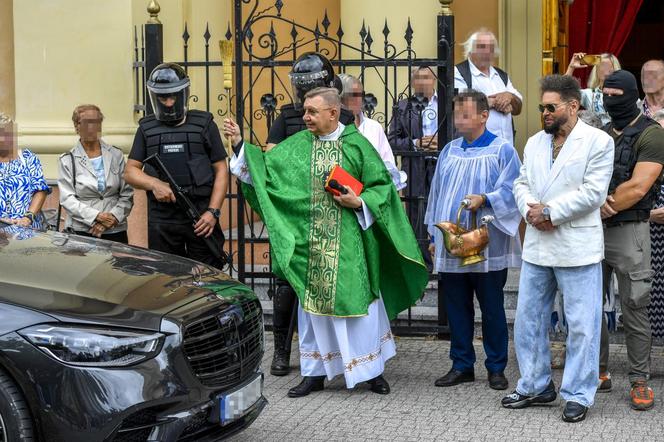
467 245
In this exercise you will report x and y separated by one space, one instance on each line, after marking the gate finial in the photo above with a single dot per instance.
153 10
445 7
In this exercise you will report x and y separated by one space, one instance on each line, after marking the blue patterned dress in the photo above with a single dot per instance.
656 308
19 180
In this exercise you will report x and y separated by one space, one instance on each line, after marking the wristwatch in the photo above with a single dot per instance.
215 212
546 214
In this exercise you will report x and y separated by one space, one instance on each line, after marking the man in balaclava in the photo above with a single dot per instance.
633 190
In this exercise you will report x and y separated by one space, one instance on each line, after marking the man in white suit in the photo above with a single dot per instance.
563 183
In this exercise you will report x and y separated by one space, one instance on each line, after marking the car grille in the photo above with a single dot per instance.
225 348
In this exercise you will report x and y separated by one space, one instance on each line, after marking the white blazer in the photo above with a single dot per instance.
574 188
84 202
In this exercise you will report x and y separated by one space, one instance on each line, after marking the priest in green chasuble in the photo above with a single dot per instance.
352 259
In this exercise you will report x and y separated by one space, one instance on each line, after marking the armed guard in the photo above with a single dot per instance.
189 144
633 190
310 70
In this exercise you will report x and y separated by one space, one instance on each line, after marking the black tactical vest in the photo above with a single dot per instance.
182 150
624 162
293 119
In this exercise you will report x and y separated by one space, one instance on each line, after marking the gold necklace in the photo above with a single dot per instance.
556 148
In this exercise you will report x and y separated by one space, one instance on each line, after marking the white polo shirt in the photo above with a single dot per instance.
499 123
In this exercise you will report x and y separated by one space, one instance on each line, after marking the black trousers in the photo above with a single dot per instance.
180 239
117 237
284 302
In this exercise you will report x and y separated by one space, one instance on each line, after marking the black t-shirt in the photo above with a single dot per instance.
171 212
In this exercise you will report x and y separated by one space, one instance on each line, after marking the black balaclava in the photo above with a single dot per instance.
622 108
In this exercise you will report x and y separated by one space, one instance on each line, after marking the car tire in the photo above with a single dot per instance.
15 420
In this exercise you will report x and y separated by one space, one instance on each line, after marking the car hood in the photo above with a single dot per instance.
79 279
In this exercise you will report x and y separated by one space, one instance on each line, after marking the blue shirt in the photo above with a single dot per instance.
482 141
430 117
98 164
19 180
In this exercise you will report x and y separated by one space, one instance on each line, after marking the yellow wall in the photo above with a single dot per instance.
7 102
523 60
71 52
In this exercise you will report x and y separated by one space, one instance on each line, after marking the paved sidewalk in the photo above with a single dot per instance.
418 411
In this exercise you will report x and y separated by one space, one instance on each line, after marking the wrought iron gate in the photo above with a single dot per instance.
266 43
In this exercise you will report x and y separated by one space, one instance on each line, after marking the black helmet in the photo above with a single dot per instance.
169 80
310 70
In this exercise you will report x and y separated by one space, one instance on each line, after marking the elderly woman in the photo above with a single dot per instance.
351 98
92 188
23 188
592 97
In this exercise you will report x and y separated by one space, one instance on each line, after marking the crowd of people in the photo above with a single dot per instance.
588 188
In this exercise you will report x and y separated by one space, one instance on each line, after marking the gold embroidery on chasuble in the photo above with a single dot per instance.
324 232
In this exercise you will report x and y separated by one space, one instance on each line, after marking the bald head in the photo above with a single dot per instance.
652 76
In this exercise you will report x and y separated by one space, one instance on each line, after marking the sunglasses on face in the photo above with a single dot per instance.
550 108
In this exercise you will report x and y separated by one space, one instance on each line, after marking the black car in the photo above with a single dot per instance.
105 342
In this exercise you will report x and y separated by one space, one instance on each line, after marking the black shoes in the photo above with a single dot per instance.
498 381
574 412
455 377
281 358
317 383
308 384
379 385
517 400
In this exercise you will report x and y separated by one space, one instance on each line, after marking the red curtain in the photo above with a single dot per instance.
596 27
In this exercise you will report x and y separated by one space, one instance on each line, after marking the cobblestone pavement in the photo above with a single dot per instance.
418 411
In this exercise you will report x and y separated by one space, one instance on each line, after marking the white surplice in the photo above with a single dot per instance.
356 347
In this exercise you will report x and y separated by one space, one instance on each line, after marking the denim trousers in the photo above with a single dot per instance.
581 289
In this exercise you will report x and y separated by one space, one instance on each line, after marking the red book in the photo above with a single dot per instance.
344 178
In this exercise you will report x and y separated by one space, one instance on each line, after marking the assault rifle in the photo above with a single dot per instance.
185 204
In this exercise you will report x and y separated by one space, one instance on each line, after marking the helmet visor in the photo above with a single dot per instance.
306 81
170 106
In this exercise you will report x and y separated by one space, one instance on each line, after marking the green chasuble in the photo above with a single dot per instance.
318 246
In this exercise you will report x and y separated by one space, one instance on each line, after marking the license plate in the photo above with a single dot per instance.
234 405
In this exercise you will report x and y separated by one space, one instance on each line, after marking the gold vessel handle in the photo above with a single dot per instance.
473 217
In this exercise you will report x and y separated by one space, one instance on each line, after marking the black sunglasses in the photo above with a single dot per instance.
551 108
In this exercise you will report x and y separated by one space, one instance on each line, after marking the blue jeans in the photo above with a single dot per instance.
488 287
581 288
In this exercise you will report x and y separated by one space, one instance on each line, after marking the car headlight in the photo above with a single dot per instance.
94 347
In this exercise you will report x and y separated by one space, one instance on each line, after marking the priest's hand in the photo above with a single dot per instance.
476 201
349 200
231 129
